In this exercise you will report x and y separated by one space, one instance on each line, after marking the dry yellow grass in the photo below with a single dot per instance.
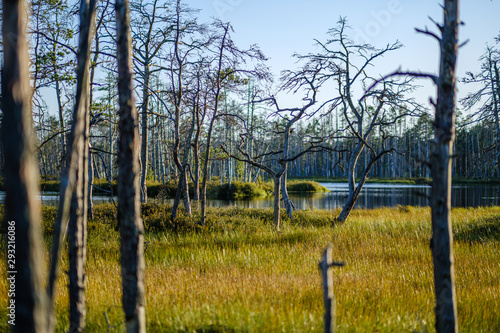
239 275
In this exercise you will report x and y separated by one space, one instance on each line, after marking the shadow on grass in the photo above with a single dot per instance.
288 239
479 231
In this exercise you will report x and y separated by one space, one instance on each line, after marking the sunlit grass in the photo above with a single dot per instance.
239 275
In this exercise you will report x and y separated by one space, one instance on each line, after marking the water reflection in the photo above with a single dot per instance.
371 196
378 195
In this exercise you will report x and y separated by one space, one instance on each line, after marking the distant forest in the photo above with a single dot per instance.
195 86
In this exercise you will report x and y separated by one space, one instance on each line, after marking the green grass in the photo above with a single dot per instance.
215 190
409 181
237 274
404 181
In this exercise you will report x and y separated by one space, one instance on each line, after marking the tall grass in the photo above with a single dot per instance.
237 274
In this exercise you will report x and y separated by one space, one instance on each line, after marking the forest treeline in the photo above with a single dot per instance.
195 86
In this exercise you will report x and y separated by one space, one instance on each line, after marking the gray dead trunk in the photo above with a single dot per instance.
90 184
21 176
353 194
129 210
277 210
441 162
75 164
145 134
78 217
286 199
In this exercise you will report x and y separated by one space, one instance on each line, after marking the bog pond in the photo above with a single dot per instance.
373 195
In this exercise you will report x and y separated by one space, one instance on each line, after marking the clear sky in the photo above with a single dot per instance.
282 27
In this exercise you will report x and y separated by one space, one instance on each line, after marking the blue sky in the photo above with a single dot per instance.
281 28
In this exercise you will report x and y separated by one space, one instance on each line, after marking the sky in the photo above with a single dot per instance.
282 27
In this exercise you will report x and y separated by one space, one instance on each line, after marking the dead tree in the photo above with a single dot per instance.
21 177
78 217
185 44
273 162
228 64
151 30
74 181
441 162
371 112
129 210
305 79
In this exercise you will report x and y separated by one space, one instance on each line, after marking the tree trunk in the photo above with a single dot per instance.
144 138
277 210
77 234
286 200
353 192
180 193
90 182
61 120
441 161
211 126
77 247
76 142
21 176
129 210
196 156
351 200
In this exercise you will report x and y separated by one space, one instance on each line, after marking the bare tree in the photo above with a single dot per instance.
73 184
346 66
186 45
441 162
309 78
78 217
441 167
21 179
275 161
228 61
488 96
151 30
129 210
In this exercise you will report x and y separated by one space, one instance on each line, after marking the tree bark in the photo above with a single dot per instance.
90 182
76 143
129 210
21 176
286 199
145 134
277 210
441 162
77 231
351 199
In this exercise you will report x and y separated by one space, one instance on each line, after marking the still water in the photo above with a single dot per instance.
372 195
375 195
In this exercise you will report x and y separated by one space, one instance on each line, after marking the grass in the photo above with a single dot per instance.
409 181
215 190
237 274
